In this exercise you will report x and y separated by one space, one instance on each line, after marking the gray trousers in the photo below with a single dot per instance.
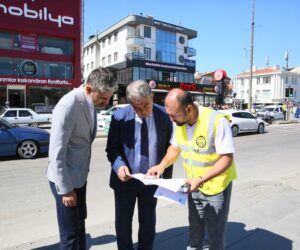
208 212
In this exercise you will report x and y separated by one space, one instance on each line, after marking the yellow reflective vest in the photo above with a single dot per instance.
199 155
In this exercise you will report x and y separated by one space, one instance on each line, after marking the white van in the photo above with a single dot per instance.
271 113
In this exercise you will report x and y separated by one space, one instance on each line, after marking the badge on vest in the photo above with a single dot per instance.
200 141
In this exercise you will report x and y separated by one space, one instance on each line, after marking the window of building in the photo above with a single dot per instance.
109 40
266 93
147 52
87 51
37 68
116 37
88 67
56 46
286 79
5 40
165 46
92 49
103 43
267 80
92 65
242 82
115 56
258 80
103 60
147 31
109 59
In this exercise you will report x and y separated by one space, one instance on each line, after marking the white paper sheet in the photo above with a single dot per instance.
169 195
170 184
168 189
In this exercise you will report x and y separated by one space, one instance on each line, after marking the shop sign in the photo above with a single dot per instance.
190 63
191 51
36 13
28 68
167 25
220 74
32 81
28 42
188 87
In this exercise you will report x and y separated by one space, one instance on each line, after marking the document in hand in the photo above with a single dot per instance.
168 189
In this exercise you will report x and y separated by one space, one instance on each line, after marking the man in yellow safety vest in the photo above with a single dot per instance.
203 138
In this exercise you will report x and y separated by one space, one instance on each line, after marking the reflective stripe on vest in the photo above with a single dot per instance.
199 155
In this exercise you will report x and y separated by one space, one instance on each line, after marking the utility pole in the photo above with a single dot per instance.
251 58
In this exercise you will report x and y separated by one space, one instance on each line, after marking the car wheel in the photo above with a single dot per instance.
261 128
28 149
34 125
271 120
235 130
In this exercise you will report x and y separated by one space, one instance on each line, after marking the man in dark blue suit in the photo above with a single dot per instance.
125 151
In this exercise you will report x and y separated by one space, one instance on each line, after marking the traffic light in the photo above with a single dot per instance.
289 92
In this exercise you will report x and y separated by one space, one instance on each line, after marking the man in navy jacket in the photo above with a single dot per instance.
124 153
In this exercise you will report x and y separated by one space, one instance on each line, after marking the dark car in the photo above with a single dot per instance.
26 142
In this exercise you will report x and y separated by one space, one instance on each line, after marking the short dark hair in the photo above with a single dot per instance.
102 79
185 99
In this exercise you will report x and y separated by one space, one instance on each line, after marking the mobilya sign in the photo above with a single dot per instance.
39 14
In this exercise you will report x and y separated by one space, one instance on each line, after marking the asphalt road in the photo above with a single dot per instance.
265 208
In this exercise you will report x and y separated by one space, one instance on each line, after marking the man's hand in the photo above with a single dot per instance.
69 199
124 174
155 171
195 183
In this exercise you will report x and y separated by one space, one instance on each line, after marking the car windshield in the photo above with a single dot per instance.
2 109
267 109
7 123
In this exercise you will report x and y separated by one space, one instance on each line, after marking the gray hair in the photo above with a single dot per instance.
102 79
138 90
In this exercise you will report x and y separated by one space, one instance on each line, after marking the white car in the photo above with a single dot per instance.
244 122
25 116
104 117
271 113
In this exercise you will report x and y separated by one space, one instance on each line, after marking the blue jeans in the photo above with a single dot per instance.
208 212
71 220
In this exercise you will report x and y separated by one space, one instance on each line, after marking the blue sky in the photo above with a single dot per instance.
223 26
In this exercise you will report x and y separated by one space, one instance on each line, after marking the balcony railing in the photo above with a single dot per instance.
135 55
135 41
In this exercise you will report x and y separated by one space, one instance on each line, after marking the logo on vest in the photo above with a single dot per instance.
201 142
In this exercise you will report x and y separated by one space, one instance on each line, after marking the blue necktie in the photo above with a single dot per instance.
144 163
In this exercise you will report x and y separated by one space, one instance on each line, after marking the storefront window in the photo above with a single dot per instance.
6 66
55 46
2 96
43 99
50 45
136 74
58 70
5 40
25 67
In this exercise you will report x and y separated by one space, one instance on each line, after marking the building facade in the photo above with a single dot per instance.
269 86
141 47
39 51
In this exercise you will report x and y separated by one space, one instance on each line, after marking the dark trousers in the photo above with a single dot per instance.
71 220
124 209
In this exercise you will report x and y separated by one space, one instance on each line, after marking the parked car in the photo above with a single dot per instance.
25 142
244 122
25 116
270 113
104 117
